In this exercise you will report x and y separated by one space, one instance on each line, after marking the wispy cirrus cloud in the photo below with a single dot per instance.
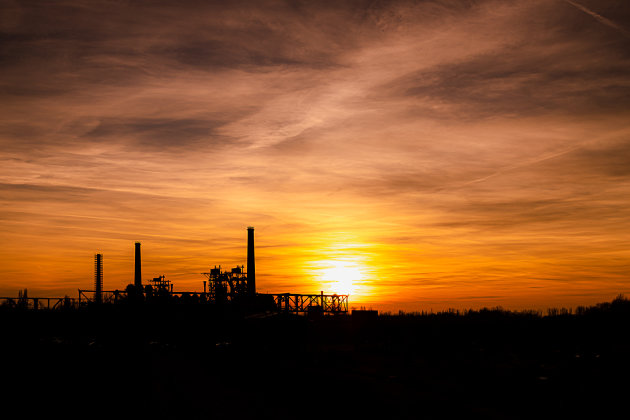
600 18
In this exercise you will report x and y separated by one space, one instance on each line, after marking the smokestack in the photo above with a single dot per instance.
251 263
138 276
98 278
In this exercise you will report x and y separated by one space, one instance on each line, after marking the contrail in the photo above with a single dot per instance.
600 18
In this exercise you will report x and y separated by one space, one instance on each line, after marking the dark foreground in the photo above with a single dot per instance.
184 363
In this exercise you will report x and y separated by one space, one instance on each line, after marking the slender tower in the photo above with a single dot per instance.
251 263
138 276
98 278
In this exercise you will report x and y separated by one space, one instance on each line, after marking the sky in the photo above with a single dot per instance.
417 155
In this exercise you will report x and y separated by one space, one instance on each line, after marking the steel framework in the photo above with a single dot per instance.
106 296
38 302
114 296
298 303
284 302
226 285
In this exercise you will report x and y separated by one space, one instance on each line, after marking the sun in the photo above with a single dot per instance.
341 276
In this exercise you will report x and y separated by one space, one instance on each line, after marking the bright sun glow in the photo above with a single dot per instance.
343 268
342 276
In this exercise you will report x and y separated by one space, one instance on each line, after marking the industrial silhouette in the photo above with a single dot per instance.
98 278
232 290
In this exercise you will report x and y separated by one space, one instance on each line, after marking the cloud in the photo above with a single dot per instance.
610 160
600 18
160 133
509 83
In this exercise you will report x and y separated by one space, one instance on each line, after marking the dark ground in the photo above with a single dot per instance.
185 363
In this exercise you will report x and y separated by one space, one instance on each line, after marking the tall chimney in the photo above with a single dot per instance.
251 262
138 276
98 278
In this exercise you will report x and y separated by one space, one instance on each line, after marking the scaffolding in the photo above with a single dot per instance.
299 303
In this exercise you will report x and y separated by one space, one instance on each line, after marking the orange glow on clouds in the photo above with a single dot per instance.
417 155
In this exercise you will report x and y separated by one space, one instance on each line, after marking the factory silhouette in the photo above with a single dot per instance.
232 291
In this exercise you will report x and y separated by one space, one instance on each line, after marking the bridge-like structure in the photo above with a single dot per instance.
300 303
283 302
36 303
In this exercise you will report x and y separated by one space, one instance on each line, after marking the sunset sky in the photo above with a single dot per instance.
416 154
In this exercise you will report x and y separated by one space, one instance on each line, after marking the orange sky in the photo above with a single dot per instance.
420 155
